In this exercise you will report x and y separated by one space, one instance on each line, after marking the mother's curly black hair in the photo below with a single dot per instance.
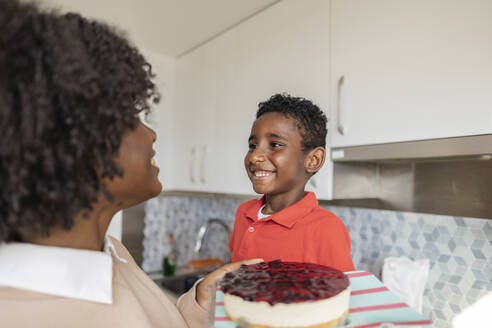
69 88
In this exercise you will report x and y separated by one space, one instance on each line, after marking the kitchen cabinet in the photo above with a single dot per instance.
211 147
195 125
410 70
219 85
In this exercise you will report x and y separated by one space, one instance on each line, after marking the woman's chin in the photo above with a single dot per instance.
157 189
143 196
154 189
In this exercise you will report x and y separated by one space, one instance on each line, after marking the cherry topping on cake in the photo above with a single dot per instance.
284 282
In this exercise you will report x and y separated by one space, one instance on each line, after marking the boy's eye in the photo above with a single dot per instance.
251 146
275 144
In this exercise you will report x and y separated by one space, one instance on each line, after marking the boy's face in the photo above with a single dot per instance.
275 162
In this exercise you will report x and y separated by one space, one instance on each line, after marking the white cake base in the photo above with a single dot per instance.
321 313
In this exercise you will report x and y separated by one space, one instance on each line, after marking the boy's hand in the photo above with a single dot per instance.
209 283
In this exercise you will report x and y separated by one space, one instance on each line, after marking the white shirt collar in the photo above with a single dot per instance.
261 215
73 273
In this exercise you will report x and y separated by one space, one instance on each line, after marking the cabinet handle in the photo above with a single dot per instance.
340 126
192 164
202 165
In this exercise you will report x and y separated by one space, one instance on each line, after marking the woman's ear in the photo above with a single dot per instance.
315 160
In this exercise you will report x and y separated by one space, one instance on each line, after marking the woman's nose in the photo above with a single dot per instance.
152 133
150 130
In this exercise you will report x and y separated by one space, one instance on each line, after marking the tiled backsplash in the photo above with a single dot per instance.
183 216
459 249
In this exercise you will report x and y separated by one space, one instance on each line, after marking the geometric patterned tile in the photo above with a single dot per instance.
487 229
460 222
455 308
452 245
478 234
444 258
455 280
443 230
461 270
479 263
458 249
487 271
478 244
478 274
443 239
455 290
478 284
460 230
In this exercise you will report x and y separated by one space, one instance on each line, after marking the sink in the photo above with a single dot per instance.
179 284
182 281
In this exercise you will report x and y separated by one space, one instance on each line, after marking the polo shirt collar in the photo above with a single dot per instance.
289 215
67 272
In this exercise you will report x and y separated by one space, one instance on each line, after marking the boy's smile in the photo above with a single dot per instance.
262 174
275 160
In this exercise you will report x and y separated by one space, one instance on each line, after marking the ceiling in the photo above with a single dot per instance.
169 27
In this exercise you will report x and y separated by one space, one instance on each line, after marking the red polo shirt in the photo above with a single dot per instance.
302 232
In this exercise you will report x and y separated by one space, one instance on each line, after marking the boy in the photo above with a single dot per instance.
286 147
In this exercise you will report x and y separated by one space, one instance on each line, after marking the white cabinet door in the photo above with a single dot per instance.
205 97
195 121
184 128
410 70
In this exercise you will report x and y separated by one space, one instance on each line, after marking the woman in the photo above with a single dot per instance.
73 152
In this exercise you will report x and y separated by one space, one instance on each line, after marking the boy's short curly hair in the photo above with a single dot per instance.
311 121
69 89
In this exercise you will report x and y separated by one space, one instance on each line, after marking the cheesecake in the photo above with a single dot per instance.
286 294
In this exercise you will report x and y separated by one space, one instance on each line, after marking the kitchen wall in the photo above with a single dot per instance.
459 248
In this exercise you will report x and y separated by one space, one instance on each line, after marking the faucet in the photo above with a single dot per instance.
203 230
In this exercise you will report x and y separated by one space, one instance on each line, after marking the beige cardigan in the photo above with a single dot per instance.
137 302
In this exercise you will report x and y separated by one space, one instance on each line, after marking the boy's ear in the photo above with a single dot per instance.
315 160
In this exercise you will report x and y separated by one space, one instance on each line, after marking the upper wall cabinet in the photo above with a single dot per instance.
410 70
